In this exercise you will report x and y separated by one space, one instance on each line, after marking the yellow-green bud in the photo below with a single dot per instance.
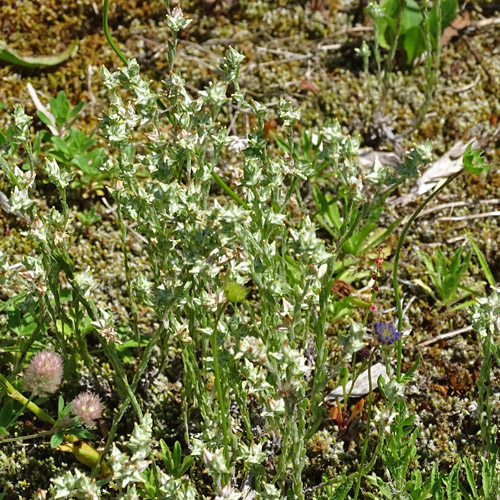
234 292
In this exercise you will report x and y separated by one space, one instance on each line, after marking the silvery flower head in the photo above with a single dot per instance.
177 21
44 373
87 407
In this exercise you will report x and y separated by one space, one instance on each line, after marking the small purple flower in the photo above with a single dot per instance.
44 373
386 333
88 407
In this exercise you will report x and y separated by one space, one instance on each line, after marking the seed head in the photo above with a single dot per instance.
88 407
44 373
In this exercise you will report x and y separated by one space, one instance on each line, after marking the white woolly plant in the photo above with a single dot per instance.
238 354
129 477
253 364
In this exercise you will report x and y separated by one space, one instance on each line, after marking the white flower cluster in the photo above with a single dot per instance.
127 473
75 485
485 316
342 150
58 177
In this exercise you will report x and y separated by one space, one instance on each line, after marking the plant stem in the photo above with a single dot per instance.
229 191
15 394
218 382
107 33
392 53
431 64
319 380
25 438
133 305
397 297
137 376
367 431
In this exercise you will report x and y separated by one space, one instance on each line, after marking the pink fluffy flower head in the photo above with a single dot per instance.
88 407
44 373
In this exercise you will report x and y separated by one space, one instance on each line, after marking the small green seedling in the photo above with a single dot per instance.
446 279
398 453
70 146
89 218
449 487
63 116
474 162
364 238
77 149
175 465
411 29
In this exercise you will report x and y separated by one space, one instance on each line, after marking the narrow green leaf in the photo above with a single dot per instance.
6 413
486 475
282 144
455 261
60 405
163 446
13 57
45 119
82 434
60 144
409 374
452 483
186 463
462 305
177 454
470 478
426 287
342 490
60 108
378 237
381 485
429 264
76 109
482 261
436 489
440 262
464 492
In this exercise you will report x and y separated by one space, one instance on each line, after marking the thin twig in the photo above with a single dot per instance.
467 87
484 23
444 336
453 204
495 213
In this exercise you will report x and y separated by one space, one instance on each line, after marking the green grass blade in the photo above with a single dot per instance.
13 57
480 256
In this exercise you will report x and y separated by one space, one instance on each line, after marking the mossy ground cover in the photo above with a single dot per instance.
305 52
